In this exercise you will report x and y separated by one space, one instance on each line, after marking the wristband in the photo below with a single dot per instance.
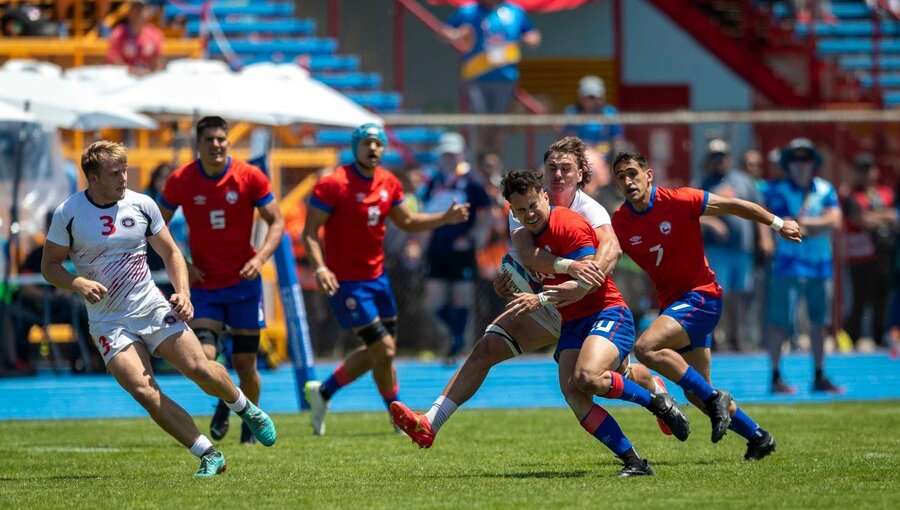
561 265
544 300
583 285
777 224
322 269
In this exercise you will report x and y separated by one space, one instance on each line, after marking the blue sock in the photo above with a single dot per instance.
601 425
625 389
693 382
744 425
337 380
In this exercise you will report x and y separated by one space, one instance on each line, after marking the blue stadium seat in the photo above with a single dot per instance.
409 136
378 100
887 80
315 63
295 27
855 45
286 47
843 10
864 63
231 8
892 98
850 29
343 81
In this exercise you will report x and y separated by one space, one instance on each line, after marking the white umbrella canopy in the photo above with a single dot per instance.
10 114
38 89
101 78
189 87
293 96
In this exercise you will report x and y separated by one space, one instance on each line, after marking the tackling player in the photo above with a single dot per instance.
105 230
351 205
659 229
219 195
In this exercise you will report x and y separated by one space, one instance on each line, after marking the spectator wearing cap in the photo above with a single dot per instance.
730 242
870 222
450 254
135 42
802 270
592 100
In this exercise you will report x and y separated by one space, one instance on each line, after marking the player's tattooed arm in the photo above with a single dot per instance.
717 205
325 278
53 271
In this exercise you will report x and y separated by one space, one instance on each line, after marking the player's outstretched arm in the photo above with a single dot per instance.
718 205
419 222
542 261
168 251
53 271
271 214
326 279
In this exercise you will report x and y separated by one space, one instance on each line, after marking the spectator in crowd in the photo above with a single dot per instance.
38 304
602 138
452 266
135 42
489 32
753 165
26 20
870 220
730 241
802 270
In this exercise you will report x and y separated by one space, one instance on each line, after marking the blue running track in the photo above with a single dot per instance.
526 382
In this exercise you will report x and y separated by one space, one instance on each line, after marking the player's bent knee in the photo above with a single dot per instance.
512 344
372 333
147 395
590 382
391 326
209 340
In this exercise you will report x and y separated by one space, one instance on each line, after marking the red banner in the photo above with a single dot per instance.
528 5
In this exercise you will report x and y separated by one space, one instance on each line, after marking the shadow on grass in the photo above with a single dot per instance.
579 473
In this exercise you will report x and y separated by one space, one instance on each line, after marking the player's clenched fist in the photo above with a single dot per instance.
90 290
181 305
791 231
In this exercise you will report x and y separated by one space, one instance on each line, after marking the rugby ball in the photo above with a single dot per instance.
522 278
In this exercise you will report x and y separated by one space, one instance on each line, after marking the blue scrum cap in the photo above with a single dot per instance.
368 130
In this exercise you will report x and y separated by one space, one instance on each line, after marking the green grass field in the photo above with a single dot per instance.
829 456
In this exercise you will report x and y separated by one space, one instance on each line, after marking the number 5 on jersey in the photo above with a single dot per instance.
217 219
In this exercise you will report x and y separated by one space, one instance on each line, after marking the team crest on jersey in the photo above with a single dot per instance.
383 194
635 240
231 197
665 227
360 197
199 200
128 222
350 303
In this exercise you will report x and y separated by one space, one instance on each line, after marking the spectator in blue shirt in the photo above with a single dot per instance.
592 100
802 270
490 32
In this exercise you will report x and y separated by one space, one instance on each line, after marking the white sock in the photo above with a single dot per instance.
440 412
657 389
201 445
240 404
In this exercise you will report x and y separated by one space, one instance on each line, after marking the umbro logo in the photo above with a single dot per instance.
199 200
635 240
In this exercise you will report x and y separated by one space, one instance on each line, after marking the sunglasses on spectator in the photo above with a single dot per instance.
802 159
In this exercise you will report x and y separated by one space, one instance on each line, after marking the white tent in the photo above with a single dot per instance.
269 95
52 100
101 78
10 114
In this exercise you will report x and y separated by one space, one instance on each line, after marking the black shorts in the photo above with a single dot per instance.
452 266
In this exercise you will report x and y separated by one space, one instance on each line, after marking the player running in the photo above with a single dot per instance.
351 205
219 196
508 336
659 229
104 230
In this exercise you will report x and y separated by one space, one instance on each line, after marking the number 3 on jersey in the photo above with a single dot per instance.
217 219
109 225
659 253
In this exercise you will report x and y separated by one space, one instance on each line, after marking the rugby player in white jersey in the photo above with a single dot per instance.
104 230
566 173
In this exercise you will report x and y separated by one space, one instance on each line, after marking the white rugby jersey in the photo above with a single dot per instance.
109 245
582 204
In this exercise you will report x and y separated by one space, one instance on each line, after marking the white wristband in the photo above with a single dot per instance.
544 300
777 224
583 285
561 265
322 269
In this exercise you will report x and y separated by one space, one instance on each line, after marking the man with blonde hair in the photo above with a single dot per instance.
105 230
